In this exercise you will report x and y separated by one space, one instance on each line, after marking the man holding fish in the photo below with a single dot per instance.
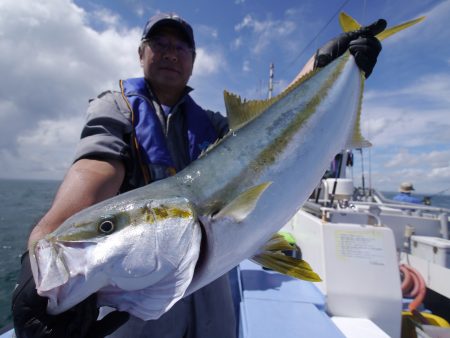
146 132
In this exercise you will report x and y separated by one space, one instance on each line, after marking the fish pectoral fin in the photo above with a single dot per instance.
278 242
297 268
240 207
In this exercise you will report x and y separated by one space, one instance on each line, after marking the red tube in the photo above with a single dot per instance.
413 285
407 280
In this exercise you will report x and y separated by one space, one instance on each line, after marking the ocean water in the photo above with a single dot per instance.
22 204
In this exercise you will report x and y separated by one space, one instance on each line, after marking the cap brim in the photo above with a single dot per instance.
171 23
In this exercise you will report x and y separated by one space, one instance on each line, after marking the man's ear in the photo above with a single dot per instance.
141 54
193 61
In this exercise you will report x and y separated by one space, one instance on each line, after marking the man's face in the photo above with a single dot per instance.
167 60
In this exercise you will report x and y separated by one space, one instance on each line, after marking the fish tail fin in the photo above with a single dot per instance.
350 24
272 257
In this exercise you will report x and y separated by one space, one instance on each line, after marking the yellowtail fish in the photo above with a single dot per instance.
144 250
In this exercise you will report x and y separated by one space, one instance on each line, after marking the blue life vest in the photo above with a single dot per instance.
149 134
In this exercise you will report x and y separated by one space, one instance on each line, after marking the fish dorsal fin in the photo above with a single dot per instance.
271 257
239 111
240 207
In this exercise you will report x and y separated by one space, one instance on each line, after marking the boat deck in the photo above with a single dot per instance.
275 305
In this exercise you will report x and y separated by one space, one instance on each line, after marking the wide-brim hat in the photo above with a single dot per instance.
169 19
406 187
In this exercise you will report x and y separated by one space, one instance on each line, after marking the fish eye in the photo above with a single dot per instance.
106 226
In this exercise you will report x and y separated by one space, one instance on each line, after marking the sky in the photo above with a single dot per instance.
57 54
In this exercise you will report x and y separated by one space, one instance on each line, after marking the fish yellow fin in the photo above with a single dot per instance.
271 257
348 23
395 29
297 268
278 242
357 140
239 111
240 207
288 237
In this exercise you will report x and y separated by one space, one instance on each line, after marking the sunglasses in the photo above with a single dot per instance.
162 45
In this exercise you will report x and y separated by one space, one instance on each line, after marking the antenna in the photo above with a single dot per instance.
271 80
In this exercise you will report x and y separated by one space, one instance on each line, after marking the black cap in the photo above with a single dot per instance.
169 19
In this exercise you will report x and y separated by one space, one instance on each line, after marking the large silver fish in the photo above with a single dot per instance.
144 250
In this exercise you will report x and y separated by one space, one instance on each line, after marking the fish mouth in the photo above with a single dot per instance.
48 263
48 266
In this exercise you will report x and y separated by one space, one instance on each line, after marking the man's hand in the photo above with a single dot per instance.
31 318
362 44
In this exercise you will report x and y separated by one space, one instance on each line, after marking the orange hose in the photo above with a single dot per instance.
407 280
413 285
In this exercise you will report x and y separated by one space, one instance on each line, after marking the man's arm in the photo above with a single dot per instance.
86 183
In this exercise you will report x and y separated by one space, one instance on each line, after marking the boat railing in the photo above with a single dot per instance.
398 215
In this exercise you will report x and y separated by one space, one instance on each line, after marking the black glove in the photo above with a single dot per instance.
32 321
362 44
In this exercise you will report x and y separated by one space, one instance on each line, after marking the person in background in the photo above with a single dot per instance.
405 194
148 129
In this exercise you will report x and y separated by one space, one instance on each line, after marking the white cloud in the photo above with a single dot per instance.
406 118
106 17
246 22
415 115
246 66
54 64
207 63
265 32
236 43
434 159
432 88
206 31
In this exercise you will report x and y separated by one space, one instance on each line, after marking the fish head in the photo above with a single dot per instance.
125 245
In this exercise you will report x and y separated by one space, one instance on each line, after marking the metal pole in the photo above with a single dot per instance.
271 80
